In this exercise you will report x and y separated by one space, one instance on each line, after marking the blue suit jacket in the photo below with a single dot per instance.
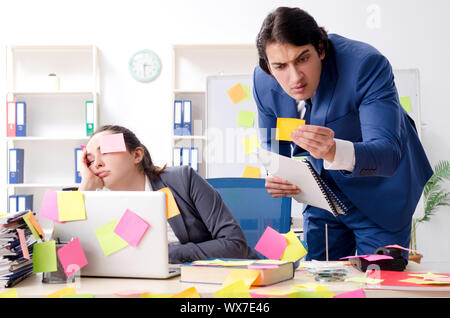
358 100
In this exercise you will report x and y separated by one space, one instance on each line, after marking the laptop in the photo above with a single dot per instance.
148 260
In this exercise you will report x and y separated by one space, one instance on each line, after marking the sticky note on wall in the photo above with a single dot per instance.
251 172
246 119
250 144
285 126
237 93
406 103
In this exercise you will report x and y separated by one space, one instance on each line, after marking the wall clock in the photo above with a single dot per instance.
144 66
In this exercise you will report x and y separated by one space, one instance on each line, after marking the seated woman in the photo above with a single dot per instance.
205 227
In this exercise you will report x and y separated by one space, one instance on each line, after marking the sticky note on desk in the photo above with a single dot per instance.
131 228
294 249
112 143
357 293
246 119
62 292
109 241
236 290
285 126
187 293
248 276
71 206
49 206
11 293
251 172
171 204
44 257
72 257
406 103
250 144
271 244
237 93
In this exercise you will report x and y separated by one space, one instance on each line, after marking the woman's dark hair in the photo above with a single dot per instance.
132 142
290 25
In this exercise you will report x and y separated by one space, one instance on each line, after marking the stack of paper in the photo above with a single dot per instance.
16 248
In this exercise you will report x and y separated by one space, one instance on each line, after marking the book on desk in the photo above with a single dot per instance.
216 273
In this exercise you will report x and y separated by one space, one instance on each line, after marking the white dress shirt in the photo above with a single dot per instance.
344 158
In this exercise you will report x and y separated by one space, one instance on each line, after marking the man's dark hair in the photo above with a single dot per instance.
290 26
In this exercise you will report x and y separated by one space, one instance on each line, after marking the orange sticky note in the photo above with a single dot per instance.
36 224
187 293
251 172
285 126
172 207
237 93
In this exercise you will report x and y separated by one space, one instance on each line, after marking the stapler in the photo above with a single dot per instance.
397 263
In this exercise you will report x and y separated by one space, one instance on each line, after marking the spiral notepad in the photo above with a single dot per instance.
314 190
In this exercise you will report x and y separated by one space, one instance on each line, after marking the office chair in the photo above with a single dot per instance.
253 207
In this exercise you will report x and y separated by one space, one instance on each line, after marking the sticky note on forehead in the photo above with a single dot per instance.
112 143
285 126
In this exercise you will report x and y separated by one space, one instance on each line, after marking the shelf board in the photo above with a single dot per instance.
45 92
31 138
189 137
188 91
68 48
43 185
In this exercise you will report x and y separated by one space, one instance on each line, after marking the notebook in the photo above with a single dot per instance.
149 259
314 190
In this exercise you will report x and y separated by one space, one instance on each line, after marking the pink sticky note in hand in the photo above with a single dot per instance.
49 206
23 243
271 244
358 293
72 257
112 143
131 228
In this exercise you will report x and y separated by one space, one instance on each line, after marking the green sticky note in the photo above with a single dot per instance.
246 119
109 241
247 92
406 103
71 206
44 257
26 218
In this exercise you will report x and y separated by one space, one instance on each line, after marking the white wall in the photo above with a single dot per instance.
411 33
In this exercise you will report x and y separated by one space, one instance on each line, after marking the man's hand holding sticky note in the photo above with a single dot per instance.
285 126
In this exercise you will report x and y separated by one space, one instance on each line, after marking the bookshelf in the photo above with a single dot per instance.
55 115
192 64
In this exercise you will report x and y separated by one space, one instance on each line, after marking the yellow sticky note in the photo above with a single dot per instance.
251 172
71 206
294 250
27 220
62 292
429 274
309 285
236 290
109 241
12 293
250 144
248 276
276 292
237 93
153 295
325 293
187 293
285 126
171 204
406 103
364 280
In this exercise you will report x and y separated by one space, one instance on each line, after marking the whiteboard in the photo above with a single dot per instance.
225 152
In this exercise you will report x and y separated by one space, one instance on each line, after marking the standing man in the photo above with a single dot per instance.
358 137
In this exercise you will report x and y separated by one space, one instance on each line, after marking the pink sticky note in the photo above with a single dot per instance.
358 293
131 293
82 147
373 258
262 266
271 244
131 228
72 257
401 248
23 243
437 279
112 143
49 206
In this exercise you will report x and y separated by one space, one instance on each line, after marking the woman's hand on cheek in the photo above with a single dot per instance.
89 181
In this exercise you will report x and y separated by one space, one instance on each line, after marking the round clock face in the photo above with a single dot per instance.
144 66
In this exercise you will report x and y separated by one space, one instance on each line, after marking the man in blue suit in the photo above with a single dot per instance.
357 135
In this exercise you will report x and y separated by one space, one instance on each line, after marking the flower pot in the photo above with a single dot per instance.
415 257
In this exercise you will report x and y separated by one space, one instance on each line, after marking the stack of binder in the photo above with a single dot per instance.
21 202
16 119
182 117
186 156
14 266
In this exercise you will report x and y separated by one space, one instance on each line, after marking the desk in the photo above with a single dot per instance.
32 287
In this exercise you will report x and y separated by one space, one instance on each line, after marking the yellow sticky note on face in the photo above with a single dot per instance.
285 126
71 206
325 293
406 103
251 144
294 250
171 204
248 276
236 290
187 293
62 292
237 93
109 241
12 293
251 172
